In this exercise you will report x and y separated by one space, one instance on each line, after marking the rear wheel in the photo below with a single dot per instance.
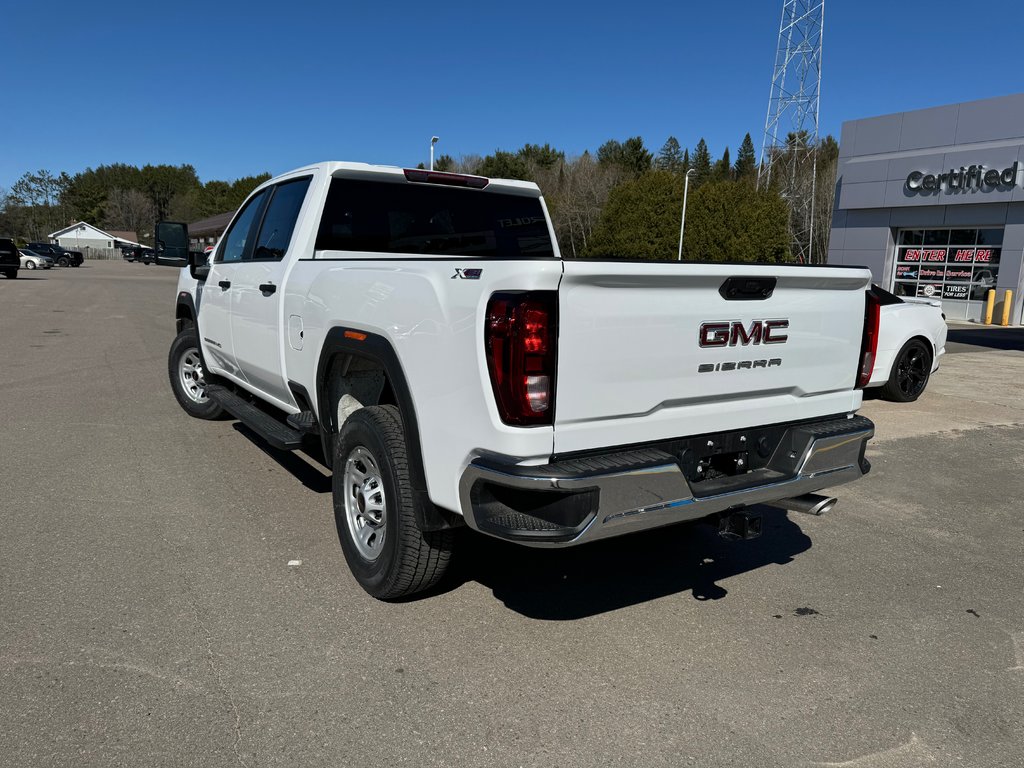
374 511
910 373
189 378
11 273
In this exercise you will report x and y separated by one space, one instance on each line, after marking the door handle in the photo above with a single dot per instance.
268 288
224 284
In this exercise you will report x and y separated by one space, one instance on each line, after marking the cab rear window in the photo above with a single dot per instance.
396 217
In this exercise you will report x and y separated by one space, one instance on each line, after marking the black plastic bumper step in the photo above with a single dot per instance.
275 432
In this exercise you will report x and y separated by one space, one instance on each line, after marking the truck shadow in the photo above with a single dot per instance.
311 477
569 584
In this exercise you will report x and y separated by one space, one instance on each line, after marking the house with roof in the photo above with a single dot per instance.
208 231
82 235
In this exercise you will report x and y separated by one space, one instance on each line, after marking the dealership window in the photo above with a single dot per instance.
949 264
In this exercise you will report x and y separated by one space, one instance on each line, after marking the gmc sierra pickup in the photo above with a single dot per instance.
424 328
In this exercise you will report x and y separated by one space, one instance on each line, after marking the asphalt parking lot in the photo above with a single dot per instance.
149 614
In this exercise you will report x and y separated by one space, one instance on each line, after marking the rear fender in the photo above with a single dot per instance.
338 356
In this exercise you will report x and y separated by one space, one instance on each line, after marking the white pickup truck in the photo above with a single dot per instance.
423 329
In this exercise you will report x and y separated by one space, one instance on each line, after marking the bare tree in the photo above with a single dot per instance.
129 210
576 195
467 164
824 201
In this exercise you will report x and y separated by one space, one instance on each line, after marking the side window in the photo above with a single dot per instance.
237 237
279 220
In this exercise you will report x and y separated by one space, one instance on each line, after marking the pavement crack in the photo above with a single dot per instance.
211 661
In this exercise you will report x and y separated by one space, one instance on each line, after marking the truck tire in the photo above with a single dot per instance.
910 372
64 261
388 554
11 273
188 379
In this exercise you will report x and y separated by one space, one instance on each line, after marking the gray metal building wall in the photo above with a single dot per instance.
872 199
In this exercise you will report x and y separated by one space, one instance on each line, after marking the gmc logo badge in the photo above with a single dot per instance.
733 333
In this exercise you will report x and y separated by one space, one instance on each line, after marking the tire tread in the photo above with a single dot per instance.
422 558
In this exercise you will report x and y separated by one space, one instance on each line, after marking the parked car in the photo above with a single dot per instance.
911 340
62 256
10 260
139 253
32 260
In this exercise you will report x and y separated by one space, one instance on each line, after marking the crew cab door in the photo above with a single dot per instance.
257 291
216 307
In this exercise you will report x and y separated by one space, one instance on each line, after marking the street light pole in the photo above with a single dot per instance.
682 224
433 141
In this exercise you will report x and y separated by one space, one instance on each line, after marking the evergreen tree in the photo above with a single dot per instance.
746 160
630 156
723 168
736 222
541 157
701 163
686 161
505 165
641 219
671 156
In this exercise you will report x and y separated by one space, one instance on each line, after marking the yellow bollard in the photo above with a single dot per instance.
990 305
1007 303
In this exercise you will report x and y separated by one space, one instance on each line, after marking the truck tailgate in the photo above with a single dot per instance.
651 351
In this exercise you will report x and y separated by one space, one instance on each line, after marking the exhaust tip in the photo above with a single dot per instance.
809 504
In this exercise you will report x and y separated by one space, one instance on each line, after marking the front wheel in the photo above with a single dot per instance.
189 378
64 261
910 373
30 265
387 552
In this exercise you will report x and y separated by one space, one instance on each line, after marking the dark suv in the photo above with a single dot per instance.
10 260
60 255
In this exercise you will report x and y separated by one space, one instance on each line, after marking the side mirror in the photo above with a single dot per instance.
199 264
171 244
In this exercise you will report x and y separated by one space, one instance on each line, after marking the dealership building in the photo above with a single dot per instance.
933 202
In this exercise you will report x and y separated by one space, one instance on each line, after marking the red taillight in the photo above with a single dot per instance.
520 338
869 342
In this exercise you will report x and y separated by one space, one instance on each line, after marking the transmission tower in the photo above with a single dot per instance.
789 151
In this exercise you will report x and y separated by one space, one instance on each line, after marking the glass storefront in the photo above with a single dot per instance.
955 265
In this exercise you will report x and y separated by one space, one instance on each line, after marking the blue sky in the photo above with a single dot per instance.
240 88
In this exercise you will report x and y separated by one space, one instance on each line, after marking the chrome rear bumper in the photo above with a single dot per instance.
579 500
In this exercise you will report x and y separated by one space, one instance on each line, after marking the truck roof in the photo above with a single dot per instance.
341 168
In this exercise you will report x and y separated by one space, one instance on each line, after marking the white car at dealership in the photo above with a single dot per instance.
911 339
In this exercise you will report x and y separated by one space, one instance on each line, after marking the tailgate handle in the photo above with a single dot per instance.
747 288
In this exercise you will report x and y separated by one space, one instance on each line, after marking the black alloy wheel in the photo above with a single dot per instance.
910 373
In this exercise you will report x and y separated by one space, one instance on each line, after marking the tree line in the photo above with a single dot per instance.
621 201
626 202
117 197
